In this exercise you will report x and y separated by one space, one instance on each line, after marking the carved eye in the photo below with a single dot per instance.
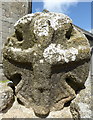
68 33
19 35
16 78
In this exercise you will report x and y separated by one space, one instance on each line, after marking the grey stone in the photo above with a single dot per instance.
6 97
81 105
9 14
47 59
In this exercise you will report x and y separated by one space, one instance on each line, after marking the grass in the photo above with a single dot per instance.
4 81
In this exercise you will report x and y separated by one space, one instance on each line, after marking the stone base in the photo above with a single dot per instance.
19 111
79 108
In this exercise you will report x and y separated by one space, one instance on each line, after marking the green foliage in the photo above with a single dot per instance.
4 81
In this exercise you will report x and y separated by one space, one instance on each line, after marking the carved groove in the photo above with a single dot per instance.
27 66
66 67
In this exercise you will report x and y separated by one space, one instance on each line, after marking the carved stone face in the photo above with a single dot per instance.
47 59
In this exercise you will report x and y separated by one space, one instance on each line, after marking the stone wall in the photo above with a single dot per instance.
0 29
10 12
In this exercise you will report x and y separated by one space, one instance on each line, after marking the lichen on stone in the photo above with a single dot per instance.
41 27
55 53
48 59
24 19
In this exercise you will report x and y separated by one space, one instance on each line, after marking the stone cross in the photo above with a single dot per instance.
47 59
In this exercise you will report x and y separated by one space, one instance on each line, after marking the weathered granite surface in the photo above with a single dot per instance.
47 59
20 111
6 97
81 105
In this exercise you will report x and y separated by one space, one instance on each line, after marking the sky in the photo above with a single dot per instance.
79 12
